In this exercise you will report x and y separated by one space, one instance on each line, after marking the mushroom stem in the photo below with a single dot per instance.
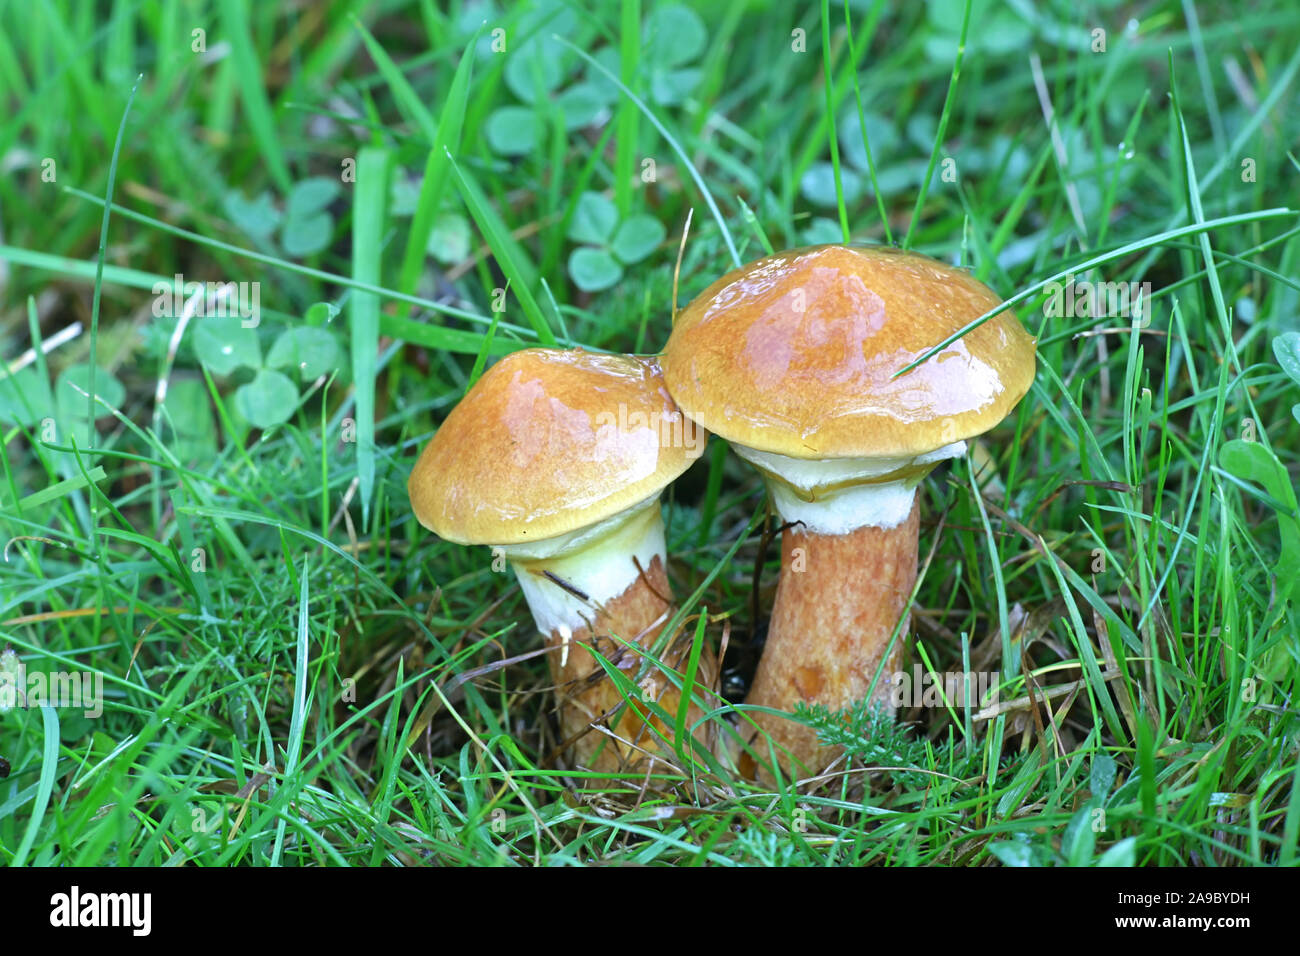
838 601
848 567
604 597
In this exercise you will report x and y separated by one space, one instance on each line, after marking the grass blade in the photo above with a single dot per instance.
49 770
862 118
445 140
369 203
298 721
672 141
408 101
1117 253
943 126
629 58
513 260
832 132
252 90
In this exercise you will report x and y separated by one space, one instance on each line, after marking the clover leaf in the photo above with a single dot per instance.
223 344
594 219
609 244
309 350
593 270
308 227
268 400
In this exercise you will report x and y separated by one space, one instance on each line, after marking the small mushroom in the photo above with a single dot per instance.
557 459
792 360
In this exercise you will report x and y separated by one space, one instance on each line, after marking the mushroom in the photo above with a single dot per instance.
792 360
557 459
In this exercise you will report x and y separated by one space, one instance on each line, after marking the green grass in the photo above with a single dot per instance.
295 673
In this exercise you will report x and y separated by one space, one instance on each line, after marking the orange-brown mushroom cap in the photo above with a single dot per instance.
795 354
549 441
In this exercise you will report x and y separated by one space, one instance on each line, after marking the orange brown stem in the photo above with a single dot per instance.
586 696
838 601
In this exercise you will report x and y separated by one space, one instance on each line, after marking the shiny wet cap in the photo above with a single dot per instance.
548 442
794 354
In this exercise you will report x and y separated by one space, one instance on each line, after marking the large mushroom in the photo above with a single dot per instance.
557 458
792 359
